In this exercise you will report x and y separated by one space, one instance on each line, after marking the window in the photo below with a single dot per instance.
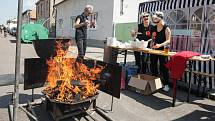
209 29
121 7
47 6
177 19
41 10
93 19
196 22
38 11
72 22
60 23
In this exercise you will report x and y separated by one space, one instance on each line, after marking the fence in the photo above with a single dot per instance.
187 43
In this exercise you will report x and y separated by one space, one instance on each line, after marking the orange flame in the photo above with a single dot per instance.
67 78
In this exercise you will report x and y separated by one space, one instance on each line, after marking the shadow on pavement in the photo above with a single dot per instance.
8 79
205 106
208 115
198 116
43 115
150 101
14 41
158 103
23 98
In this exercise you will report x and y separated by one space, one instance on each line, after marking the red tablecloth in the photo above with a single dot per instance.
177 63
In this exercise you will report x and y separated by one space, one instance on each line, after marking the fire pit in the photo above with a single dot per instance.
71 86
68 80
62 110
70 89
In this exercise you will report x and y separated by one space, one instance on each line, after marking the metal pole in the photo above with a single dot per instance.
17 64
32 95
55 17
111 109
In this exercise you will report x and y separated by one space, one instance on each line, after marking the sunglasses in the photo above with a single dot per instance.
145 16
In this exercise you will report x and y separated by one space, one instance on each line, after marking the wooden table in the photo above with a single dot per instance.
169 54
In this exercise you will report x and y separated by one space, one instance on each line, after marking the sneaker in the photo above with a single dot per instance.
166 88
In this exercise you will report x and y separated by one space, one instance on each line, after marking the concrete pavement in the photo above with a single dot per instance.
130 107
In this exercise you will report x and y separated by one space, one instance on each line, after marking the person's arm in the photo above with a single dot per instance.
168 38
134 32
78 24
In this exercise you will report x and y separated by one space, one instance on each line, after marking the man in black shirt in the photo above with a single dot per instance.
143 33
81 25
161 37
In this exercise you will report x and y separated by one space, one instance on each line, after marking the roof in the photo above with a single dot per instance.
32 13
59 2
26 11
38 2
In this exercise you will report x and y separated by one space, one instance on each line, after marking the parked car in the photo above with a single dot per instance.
13 31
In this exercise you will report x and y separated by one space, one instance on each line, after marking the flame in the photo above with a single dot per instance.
68 79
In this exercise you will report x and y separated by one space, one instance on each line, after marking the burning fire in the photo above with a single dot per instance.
68 80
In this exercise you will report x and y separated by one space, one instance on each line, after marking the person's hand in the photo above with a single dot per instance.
86 23
157 46
133 33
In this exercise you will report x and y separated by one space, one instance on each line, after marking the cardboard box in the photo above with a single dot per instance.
145 83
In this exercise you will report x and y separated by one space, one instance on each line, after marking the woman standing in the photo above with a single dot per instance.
143 33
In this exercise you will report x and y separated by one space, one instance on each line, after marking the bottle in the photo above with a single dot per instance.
166 49
212 53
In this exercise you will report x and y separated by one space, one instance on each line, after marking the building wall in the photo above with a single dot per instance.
25 18
130 11
43 8
126 21
72 8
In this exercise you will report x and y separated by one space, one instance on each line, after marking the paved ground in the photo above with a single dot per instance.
130 107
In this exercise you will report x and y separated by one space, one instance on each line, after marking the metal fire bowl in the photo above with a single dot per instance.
36 71
45 48
90 99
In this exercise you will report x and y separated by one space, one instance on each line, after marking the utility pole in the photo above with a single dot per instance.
17 64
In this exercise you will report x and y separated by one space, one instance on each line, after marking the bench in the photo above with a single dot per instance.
201 77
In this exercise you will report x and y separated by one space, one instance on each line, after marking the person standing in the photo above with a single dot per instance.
143 33
5 31
81 25
161 37
1 29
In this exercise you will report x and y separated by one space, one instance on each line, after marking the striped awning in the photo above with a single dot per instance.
172 4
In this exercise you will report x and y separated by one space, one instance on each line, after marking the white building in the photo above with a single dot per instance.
11 23
107 12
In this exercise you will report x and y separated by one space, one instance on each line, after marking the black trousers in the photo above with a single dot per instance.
82 46
140 61
163 70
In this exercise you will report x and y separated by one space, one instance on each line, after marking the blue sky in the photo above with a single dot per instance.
8 8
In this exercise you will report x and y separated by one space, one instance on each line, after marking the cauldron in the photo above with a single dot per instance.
46 48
